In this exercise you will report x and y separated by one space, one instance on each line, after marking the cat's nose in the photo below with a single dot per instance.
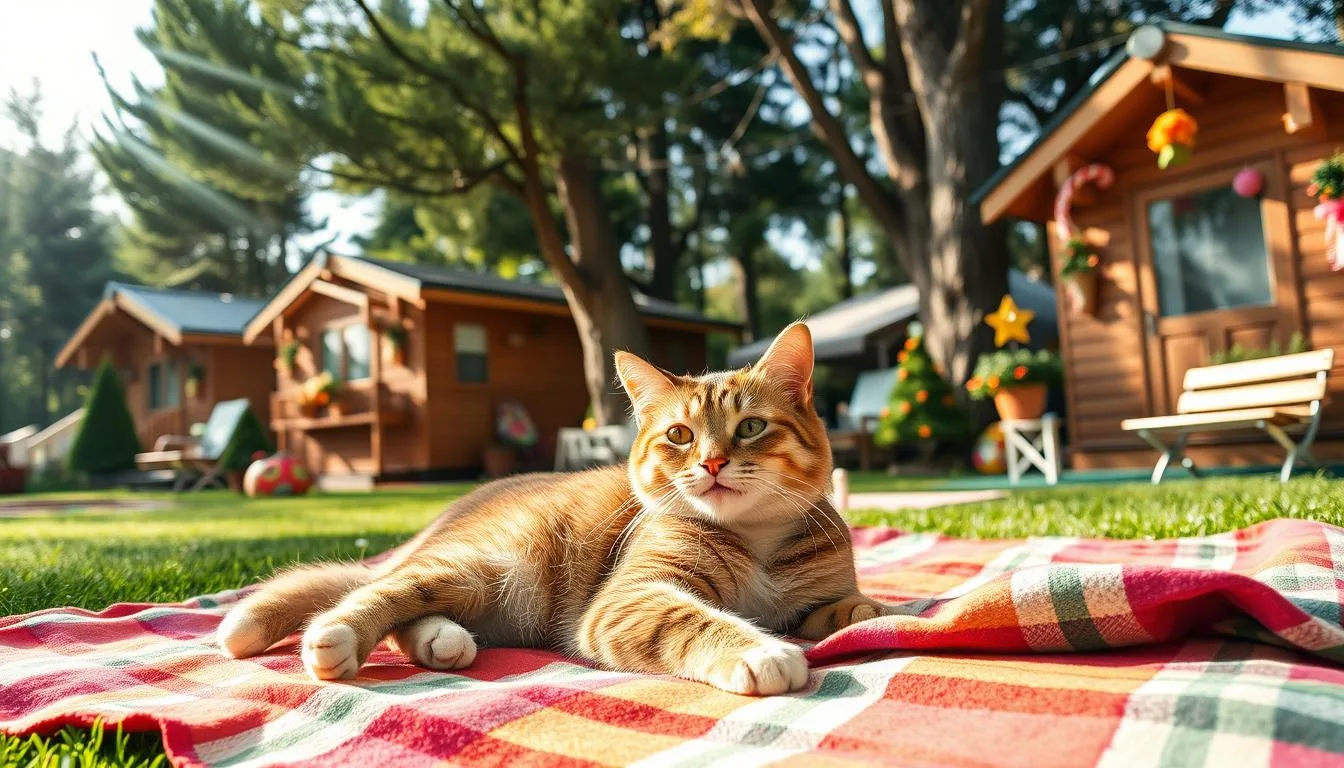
714 465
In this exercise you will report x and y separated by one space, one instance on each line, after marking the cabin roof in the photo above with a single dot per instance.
191 311
1188 47
173 314
844 329
419 281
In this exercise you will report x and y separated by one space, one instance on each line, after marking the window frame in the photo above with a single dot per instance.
163 397
1219 178
485 354
341 328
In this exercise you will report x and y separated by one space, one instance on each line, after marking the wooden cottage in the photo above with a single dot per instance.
178 352
426 355
1189 265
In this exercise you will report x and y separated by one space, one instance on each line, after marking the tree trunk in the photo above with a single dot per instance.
842 247
603 307
662 245
751 303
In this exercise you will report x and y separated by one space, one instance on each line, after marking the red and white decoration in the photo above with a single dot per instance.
1333 213
1100 175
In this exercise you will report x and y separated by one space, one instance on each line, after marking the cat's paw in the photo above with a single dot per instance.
241 634
769 668
330 652
838 615
437 642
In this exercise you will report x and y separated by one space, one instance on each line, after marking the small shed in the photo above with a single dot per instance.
178 353
426 356
1189 265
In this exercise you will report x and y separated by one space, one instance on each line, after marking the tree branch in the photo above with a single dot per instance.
968 43
847 27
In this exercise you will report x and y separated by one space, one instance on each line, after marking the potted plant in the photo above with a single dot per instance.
286 356
1079 275
315 393
394 344
1327 186
1017 379
195 377
500 459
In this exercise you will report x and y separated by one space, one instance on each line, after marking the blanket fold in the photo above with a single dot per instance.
1207 650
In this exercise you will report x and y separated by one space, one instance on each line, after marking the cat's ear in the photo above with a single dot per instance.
645 383
788 362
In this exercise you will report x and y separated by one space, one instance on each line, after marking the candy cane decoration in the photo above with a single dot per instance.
1099 174
1333 213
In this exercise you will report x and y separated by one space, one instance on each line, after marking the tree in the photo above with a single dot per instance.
54 261
922 406
106 441
522 95
214 205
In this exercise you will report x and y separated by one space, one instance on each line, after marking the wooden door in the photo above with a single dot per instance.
1216 269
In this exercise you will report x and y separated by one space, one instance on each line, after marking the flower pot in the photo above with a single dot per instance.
499 461
308 410
1082 292
1024 402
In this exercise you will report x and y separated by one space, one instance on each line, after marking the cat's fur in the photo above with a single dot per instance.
661 567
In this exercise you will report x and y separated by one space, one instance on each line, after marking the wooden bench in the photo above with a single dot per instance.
1280 396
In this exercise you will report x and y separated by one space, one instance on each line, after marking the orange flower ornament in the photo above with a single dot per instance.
1172 137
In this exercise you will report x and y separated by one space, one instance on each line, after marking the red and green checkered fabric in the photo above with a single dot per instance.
1210 651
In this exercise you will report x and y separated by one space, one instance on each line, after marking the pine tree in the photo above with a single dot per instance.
247 439
106 441
922 405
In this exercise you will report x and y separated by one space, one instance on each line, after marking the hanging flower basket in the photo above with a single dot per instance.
1080 277
195 376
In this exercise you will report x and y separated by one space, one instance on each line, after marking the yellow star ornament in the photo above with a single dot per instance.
1010 322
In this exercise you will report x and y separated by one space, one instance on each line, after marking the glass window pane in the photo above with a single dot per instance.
357 352
469 341
471 368
154 383
332 351
172 393
1209 252
469 338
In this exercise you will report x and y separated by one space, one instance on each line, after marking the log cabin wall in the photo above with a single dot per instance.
1114 369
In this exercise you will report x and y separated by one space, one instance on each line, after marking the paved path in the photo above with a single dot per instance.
920 499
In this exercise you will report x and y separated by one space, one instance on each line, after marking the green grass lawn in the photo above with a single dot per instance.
214 541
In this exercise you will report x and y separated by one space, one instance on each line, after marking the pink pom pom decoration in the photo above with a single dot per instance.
1248 182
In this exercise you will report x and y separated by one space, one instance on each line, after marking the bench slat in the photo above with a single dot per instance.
1255 371
1234 419
1293 392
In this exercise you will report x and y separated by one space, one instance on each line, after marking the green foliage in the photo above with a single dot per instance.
107 441
74 748
1327 180
922 405
1237 353
1008 368
396 336
288 353
248 438
1080 258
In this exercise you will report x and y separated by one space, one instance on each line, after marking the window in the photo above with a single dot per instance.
163 385
1208 252
469 344
345 352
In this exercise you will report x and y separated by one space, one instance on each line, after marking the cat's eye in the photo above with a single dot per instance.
679 435
750 428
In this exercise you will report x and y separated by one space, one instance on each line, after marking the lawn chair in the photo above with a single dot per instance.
578 449
1280 396
191 456
854 434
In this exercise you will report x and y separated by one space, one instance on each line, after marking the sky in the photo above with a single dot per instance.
55 40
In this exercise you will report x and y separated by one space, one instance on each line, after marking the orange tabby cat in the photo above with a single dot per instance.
717 535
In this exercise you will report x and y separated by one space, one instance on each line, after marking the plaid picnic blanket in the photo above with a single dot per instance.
1211 651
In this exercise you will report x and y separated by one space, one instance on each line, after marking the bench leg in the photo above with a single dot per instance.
1169 452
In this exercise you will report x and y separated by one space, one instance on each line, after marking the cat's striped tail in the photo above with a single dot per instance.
283 605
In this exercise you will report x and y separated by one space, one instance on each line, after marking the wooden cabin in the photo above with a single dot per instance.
471 342
1189 267
178 353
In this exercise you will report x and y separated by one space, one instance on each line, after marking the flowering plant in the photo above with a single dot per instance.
1008 368
1080 258
1172 136
317 391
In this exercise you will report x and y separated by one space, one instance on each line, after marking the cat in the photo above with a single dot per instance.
691 561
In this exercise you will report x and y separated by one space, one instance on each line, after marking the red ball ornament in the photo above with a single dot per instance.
278 475
1248 182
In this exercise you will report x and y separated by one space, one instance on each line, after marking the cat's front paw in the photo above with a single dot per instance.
769 668
840 614
437 642
330 652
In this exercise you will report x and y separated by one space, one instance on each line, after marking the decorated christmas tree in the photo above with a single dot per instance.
922 406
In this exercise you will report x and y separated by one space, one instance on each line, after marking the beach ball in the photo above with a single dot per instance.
989 455
277 475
